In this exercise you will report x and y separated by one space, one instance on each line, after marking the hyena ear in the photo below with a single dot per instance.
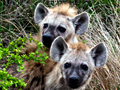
99 54
40 12
58 48
81 22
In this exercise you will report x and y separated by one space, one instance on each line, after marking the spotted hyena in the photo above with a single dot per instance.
61 20
69 68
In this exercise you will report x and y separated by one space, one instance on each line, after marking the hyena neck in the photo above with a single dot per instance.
35 73
73 39
53 78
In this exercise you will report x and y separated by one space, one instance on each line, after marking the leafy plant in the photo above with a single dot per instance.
7 80
12 56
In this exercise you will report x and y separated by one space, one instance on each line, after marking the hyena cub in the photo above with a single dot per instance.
70 68
62 21
76 63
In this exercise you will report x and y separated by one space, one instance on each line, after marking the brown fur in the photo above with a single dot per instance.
34 74
79 46
64 9
30 46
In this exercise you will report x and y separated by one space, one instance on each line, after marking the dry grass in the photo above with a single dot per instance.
106 30
16 19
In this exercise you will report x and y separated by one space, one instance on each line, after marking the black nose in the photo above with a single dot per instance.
47 40
73 79
46 37
74 82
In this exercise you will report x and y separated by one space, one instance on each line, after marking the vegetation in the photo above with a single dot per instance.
11 55
16 21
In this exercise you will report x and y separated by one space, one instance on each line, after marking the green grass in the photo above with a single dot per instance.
16 19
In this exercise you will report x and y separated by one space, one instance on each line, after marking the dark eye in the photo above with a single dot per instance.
61 29
45 25
67 65
84 67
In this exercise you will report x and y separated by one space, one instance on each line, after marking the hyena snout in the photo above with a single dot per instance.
47 40
74 81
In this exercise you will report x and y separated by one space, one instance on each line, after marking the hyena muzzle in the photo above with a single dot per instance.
60 21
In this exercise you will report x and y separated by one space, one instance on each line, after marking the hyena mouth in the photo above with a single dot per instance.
74 86
47 44
74 82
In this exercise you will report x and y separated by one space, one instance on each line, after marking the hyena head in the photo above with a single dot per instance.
60 21
77 61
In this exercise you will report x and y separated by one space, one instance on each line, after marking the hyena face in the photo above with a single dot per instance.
58 21
77 62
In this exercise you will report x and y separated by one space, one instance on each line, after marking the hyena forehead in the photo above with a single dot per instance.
77 54
61 14
58 19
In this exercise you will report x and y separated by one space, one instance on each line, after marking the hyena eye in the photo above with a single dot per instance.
61 29
45 25
67 65
84 67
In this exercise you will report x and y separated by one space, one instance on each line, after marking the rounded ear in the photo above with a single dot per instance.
80 23
99 54
58 48
40 12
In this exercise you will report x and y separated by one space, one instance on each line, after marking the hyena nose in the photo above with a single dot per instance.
47 40
73 79
46 36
